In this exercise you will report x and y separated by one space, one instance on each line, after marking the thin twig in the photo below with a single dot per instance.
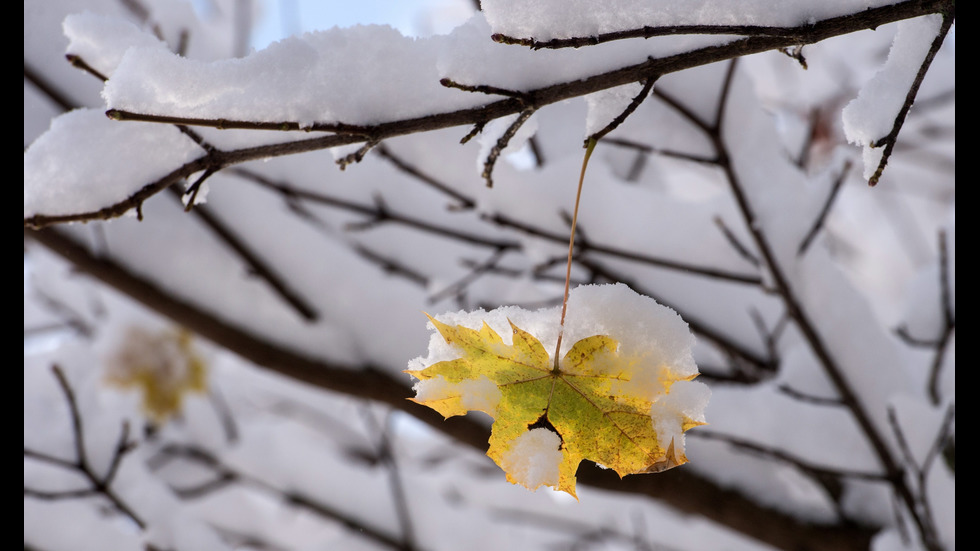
902 332
476 270
195 188
949 322
798 462
919 508
768 337
72 319
477 128
809 398
356 156
224 413
796 52
939 444
750 279
621 118
888 141
648 149
391 266
740 248
535 273
80 63
524 97
376 214
225 474
818 223
255 263
794 33
360 133
502 143
100 485
57 96
386 453
535 147
464 201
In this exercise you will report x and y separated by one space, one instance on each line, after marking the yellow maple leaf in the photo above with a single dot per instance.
163 366
548 417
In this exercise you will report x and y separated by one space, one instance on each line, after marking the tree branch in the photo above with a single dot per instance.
818 223
100 485
620 118
386 153
949 321
501 144
48 89
806 33
225 475
889 140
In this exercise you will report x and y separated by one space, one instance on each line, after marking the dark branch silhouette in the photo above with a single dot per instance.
99 485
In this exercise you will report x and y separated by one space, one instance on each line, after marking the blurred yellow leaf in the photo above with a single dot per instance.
162 366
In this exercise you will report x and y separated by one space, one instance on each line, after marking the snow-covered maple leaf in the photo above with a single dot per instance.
598 403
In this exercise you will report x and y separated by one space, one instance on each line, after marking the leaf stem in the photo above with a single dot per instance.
589 146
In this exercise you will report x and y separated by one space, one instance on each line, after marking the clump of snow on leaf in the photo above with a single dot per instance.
686 399
653 334
534 458
477 395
